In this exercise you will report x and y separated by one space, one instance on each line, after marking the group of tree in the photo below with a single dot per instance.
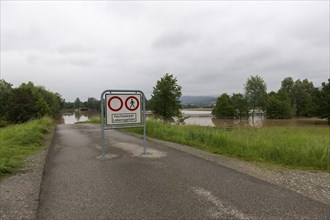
91 104
307 100
294 98
235 106
239 105
27 102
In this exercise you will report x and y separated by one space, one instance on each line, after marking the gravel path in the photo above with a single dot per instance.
19 194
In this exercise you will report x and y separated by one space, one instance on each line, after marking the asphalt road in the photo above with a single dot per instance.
164 184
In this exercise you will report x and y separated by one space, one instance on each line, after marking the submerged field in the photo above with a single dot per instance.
17 142
296 147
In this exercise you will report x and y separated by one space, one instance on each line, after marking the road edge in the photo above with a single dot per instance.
21 191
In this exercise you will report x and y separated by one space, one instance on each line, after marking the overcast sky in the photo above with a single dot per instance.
80 48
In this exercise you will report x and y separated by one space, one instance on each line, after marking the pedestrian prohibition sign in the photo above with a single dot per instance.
123 108
132 102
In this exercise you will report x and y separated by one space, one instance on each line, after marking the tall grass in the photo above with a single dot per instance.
295 147
19 141
298 147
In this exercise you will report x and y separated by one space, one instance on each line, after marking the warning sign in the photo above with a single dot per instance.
124 118
123 108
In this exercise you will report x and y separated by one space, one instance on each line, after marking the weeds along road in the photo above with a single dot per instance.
164 184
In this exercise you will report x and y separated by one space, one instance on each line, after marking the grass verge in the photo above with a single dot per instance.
17 142
295 147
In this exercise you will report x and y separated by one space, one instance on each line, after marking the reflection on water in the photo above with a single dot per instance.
73 117
204 118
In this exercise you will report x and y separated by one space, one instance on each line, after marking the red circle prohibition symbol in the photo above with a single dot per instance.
115 109
133 105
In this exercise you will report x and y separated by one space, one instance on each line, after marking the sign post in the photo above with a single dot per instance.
124 109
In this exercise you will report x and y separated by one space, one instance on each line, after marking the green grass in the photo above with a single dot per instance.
19 141
295 147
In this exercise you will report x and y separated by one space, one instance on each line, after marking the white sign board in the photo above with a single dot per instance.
123 109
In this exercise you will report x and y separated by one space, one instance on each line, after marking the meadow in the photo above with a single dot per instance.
295 147
19 141
306 148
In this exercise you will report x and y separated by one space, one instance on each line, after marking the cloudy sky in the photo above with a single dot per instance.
80 48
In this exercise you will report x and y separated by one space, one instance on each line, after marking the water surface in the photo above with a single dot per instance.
204 118
74 117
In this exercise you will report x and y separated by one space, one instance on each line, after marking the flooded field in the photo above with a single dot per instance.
258 122
204 118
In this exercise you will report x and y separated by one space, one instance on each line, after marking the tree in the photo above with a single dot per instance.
77 103
256 93
60 100
68 105
29 101
287 85
223 107
324 101
240 106
279 105
6 96
302 97
93 103
24 106
165 98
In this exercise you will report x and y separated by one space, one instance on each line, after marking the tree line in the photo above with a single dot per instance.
26 102
298 98
91 104
294 98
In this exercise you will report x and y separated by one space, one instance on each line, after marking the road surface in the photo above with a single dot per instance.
164 184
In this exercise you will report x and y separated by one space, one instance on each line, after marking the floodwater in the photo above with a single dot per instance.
74 117
204 118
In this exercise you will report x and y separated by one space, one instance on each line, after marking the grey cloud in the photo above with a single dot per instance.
33 59
75 61
81 62
74 48
211 47
174 39
28 38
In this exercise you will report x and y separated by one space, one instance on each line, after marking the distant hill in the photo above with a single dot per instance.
198 101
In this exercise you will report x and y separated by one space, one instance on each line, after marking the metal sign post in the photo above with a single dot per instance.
123 110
